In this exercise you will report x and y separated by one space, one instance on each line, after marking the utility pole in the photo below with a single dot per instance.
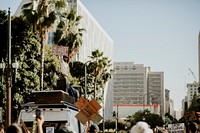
117 117
199 55
8 74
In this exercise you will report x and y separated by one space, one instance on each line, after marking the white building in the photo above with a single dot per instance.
94 38
156 91
136 84
130 83
192 89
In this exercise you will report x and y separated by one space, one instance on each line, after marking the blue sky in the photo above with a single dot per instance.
162 34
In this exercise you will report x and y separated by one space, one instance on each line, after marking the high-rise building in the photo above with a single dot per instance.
156 91
136 84
167 101
192 89
130 83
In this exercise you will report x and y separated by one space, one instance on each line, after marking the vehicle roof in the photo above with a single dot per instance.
61 105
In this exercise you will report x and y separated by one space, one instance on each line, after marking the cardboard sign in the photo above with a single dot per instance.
96 118
82 117
81 102
95 104
177 127
88 110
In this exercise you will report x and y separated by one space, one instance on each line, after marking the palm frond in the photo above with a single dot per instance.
27 5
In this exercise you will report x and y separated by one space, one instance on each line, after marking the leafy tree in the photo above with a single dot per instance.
42 14
68 33
100 67
195 106
152 119
77 69
26 50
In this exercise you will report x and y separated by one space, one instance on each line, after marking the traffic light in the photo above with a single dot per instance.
199 89
114 114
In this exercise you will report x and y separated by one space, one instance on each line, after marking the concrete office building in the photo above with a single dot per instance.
136 84
167 101
130 83
93 38
156 91
192 89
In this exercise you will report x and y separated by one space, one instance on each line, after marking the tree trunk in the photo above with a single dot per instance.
95 87
43 36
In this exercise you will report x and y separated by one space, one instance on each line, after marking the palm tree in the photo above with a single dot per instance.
42 14
68 34
100 66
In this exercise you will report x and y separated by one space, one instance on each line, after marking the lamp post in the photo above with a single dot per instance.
86 80
144 100
8 72
117 117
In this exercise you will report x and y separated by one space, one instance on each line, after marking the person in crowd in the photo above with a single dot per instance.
14 128
63 127
193 127
141 127
64 130
40 121
93 129
1 128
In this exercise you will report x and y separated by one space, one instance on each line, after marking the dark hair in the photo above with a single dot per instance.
14 128
92 129
193 127
64 130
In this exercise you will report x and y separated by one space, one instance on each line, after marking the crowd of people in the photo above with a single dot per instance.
15 128
139 127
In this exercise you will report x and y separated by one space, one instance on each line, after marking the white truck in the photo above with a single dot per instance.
57 108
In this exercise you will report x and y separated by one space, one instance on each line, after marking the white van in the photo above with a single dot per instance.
55 115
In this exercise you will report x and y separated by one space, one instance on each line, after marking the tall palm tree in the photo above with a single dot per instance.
100 67
69 34
42 14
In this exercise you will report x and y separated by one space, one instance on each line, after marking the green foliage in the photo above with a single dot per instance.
99 68
152 119
26 50
68 33
97 73
195 106
51 69
42 16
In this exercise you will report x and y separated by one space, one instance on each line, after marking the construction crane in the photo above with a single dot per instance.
193 74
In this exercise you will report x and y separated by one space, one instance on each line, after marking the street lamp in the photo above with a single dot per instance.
8 72
86 78
2 66
117 117
146 100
